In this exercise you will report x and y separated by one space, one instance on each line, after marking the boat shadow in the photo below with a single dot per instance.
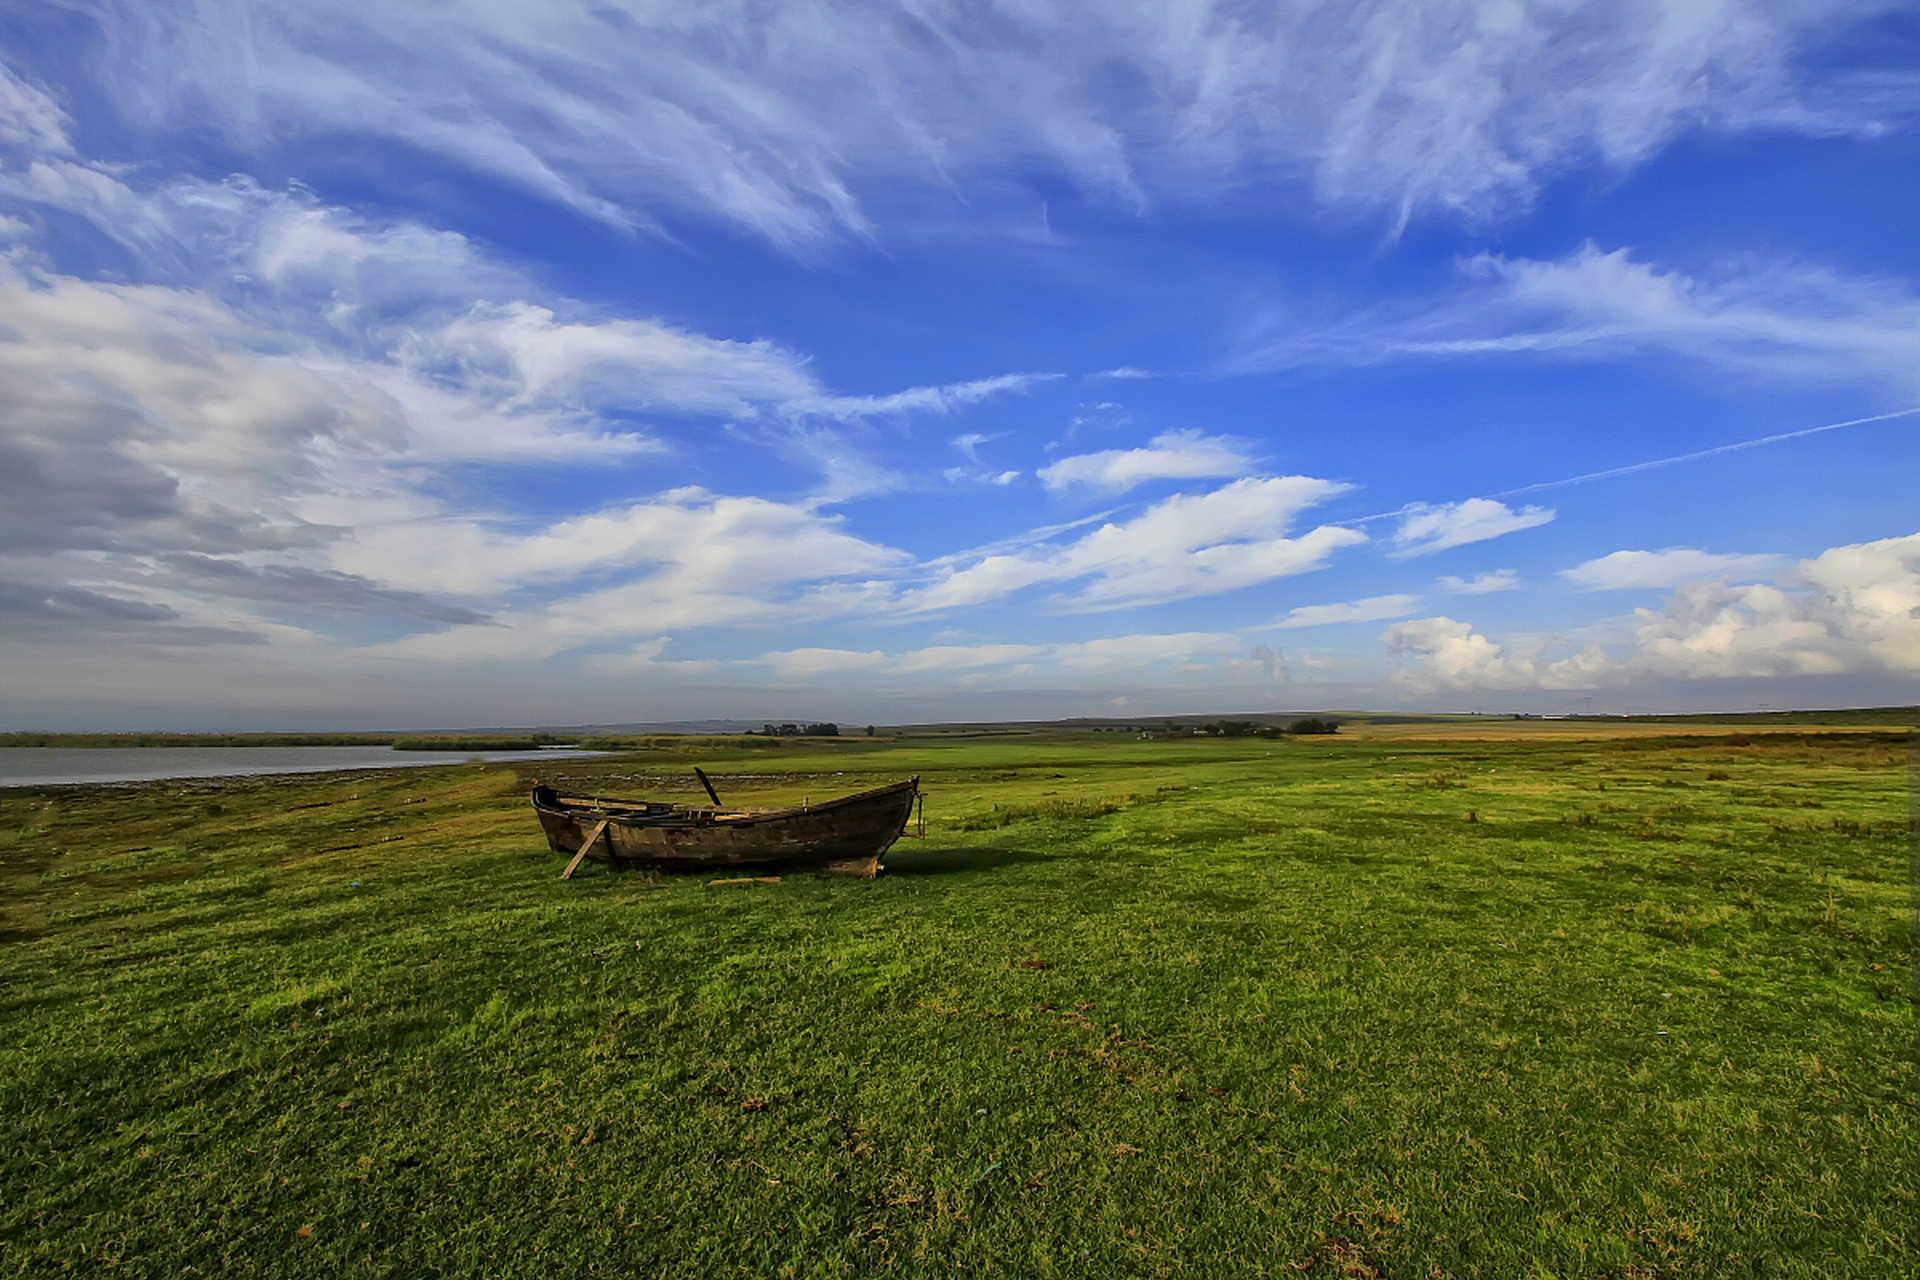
940 862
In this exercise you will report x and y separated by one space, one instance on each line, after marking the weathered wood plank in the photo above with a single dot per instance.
849 833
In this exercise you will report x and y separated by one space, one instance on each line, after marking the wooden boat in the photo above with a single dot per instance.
847 835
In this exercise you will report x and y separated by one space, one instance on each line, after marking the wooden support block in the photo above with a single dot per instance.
866 868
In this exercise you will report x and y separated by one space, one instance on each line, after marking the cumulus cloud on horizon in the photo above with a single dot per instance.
1851 610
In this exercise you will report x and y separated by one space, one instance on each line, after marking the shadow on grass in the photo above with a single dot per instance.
939 862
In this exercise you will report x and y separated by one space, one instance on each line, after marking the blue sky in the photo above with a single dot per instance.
467 364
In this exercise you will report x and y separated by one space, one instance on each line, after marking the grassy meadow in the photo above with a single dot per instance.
1495 1001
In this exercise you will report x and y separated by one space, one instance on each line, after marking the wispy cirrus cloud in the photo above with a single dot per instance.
1767 318
29 117
969 443
1773 319
940 399
522 355
629 114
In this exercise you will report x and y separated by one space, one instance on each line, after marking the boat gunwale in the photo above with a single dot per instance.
662 812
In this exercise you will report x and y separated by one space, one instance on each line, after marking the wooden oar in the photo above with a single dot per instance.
708 785
586 845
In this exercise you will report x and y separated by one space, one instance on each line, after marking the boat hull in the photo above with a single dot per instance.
849 834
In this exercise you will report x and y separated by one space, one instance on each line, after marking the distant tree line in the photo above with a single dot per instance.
1250 729
196 739
474 742
824 729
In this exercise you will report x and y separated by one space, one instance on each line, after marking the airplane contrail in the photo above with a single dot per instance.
1631 468
1704 453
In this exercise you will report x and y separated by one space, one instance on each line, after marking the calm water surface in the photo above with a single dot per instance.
48 766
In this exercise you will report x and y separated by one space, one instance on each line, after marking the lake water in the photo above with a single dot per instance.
49 766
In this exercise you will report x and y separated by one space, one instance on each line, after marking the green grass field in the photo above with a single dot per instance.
1519 1005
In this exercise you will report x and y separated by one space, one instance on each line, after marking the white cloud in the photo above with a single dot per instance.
295 395
1427 529
527 358
454 337
1183 546
989 578
1372 609
687 540
1640 570
1204 544
1849 610
193 459
1874 589
140 418
145 421
1853 610
1437 653
619 110
1481 584
1173 455
396 304
1711 630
